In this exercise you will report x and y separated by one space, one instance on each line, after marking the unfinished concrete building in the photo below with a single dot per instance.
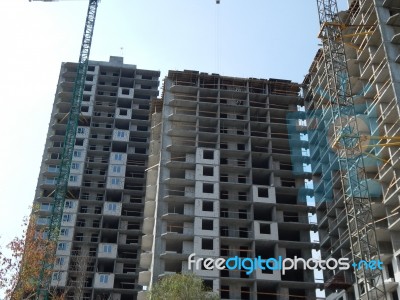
99 242
221 183
372 43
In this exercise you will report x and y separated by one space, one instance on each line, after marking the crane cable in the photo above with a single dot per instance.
217 59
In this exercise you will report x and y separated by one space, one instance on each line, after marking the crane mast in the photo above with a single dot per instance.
360 222
68 147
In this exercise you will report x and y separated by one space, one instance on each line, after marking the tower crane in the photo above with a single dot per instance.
68 148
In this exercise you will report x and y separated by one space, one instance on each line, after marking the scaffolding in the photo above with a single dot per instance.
336 138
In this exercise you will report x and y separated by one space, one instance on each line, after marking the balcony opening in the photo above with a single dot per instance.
132 239
174 246
208 283
267 271
111 224
176 208
245 292
208 171
142 128
260 163
262 213
288 182
223 178
290 216
208 154
242 179
79 237
241 163
243 232
133 226
286 166
244 275
207 244
241 147
94 238
224 231
263 192
79 142
105 267
140 150
129 268
224 292
224 250
207 224
173 266
260 180
291 253
224 195
127 254
244 251
289 235
242 196
144 106
223 212
265 228
296 294
390 270
208 206
208 188
286 199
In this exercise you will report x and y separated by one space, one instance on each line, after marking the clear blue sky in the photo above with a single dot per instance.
244 38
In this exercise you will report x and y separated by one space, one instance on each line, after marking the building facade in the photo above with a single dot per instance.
371 35
99 244
221 182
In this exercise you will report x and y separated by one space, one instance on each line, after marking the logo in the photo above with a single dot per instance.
278 264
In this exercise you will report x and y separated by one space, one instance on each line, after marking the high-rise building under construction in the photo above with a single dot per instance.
225 171
370 32
221 182
98 247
